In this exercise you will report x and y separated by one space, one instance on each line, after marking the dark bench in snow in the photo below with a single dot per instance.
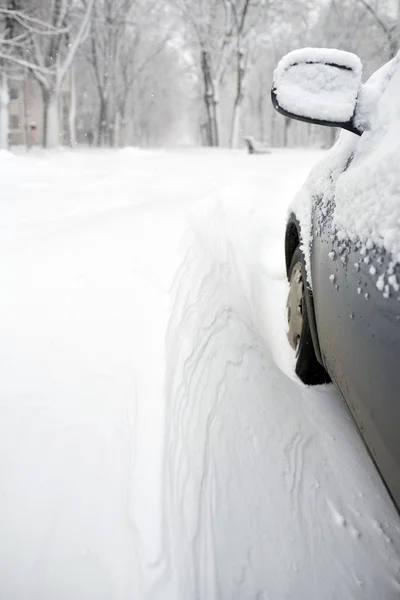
255 147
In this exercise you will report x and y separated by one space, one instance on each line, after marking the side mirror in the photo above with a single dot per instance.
318 85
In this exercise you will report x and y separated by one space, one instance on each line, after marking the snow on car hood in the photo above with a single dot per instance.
319 184
367 193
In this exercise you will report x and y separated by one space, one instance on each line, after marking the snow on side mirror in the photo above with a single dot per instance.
318 85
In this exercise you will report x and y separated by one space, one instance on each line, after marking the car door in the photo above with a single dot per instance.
356 277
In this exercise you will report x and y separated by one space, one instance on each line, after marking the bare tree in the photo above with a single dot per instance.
247 17
211 24
388 25
160 102
125 39
143 42
18 32
52 56
106 36
131 68
155 66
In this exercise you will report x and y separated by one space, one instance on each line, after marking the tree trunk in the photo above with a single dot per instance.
237 107
51 124
209 123
237 110
211 101
216 118
333 136
260 110
27 129
235 127
210 119
4 114
309 135
72 110
122 128
286 132
116 130
272 127
207 98
101 131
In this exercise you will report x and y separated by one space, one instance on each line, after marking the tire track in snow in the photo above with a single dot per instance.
193 405
294 452
249 470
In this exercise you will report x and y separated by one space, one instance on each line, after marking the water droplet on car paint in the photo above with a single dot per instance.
376 524
355 533
351 315
332 278
392 279
359 290
366 296
380 284
357 266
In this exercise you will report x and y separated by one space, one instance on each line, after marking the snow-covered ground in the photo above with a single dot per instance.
154 441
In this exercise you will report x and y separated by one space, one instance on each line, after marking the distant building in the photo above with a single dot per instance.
26 112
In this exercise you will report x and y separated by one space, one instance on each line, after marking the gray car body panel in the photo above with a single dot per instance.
359 338
357 327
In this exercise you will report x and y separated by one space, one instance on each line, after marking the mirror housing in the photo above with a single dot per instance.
318 85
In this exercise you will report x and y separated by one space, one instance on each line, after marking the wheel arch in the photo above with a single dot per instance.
292 240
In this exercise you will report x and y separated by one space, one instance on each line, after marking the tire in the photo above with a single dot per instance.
308 368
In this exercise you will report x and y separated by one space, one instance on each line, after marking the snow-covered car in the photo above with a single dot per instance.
342 242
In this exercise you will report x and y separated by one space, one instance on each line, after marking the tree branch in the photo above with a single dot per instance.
79 38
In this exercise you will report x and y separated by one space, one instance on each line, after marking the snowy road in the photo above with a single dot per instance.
154 442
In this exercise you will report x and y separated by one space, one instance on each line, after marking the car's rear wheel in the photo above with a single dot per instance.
308 369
